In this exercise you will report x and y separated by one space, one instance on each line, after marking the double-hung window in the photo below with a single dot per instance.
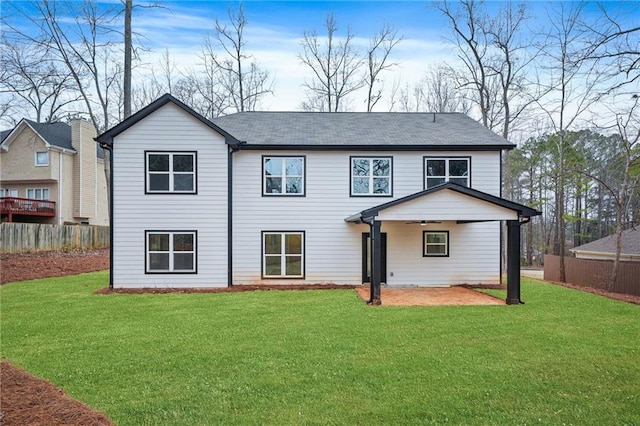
283 175
435 243
42 158
283 254
38 193
171 251
171 172
441 170
371 176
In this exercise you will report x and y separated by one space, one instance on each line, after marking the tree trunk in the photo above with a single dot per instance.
127 57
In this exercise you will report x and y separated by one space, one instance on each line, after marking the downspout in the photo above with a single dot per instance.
59 187
232 148
502 227
109 148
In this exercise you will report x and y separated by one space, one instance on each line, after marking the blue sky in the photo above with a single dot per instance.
275 28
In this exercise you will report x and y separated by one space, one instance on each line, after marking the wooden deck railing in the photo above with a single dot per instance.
27 207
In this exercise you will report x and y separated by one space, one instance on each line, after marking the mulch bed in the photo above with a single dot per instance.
31 266
28 400
233 289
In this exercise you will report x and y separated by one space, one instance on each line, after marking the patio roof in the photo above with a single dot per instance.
448 201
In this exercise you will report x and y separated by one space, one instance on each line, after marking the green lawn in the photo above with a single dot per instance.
324 357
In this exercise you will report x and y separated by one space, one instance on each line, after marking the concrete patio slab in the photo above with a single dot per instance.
428 296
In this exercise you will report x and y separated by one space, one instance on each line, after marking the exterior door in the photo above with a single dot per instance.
366 257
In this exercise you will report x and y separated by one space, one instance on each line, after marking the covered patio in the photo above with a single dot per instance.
426 296
454 204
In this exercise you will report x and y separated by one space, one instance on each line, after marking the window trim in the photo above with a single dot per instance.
304 177
370 157
424 243
147 265
263 257
42 189
36 159
446 158
171 153
5 191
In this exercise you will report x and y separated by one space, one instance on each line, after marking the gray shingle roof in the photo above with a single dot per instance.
630 243
359 129
57 134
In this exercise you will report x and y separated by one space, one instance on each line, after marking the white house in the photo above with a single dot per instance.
294 197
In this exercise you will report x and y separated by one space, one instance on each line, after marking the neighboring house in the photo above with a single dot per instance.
294 197
52 173
605 248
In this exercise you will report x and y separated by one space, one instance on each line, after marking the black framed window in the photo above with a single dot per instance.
452 169
171 251
371 176
283 254
171 172
435 243
283 175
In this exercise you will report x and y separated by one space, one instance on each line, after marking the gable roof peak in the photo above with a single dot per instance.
107 137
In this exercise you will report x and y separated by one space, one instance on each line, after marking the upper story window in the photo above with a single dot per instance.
171 172
441 170
42 158
171 251
283 175
8 192
38 193
371 176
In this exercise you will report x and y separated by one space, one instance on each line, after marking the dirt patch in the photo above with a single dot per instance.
30 266
423 296
233 289
28 400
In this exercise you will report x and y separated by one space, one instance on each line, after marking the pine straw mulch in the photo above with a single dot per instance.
28 400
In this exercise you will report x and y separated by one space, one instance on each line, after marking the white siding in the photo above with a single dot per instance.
447 205
334 247
170 129
474 254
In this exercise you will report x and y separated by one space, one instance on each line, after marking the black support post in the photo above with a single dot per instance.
376 263
513 262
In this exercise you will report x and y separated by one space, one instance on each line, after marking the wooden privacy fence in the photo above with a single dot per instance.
594 273
30 237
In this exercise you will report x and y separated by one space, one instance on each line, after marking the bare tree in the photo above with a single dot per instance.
628 128
571 89
83 46
380 47
128 50
39 85
616 48
335 65
440 92
243 81
469 24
